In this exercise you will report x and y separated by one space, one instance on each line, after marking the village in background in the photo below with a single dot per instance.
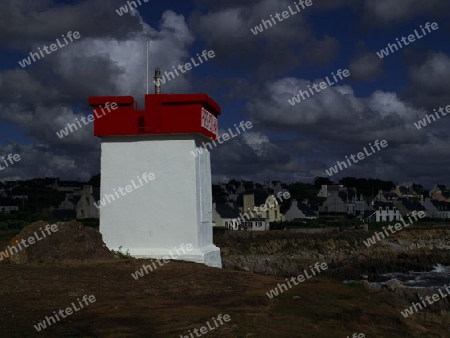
242 205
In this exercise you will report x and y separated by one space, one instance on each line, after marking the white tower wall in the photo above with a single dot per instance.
160 216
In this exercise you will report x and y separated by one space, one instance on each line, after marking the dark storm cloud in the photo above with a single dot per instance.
381 12
304 140
108 59
283 47
429 81
27 21
252 156
335 123
366 67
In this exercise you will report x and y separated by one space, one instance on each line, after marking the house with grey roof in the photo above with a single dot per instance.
440 192
275 187
416 191
430 208
327 190
299 211
406 206
437 189
257 198
224 213
229 190
443 208
343 200
229 216
386 197
78 204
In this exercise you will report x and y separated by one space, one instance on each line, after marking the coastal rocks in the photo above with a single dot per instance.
284 253
419 296
393 285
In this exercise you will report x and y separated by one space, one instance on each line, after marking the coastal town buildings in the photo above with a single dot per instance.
241 200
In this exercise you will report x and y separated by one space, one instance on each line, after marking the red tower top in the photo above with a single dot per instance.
163 114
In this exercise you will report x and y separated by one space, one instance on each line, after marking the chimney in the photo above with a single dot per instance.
157 81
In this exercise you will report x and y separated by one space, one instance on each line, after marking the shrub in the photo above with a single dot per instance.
120 254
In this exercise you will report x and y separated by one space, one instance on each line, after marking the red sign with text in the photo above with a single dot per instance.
163 114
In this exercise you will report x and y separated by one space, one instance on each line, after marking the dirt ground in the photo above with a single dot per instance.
182 296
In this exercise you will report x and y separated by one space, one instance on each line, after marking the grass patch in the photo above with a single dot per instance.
120 254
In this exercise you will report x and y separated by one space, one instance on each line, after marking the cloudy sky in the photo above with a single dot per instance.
252 78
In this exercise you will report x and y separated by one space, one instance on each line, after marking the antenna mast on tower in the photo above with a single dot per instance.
148 47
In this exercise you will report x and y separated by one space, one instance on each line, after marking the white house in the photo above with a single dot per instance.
85 206
255 212
294 212
297 211
384 212
254 224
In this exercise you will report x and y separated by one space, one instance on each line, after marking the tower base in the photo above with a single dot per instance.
209 255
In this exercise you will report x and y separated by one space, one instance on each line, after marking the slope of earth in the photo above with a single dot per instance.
181 296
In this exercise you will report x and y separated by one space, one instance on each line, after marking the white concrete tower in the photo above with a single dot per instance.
157 194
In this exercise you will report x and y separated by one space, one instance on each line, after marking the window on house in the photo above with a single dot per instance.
276 214
87 201
267 214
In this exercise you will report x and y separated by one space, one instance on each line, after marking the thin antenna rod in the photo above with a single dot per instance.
148 47
157 81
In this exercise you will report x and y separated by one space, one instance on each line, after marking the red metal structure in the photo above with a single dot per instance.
163 114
